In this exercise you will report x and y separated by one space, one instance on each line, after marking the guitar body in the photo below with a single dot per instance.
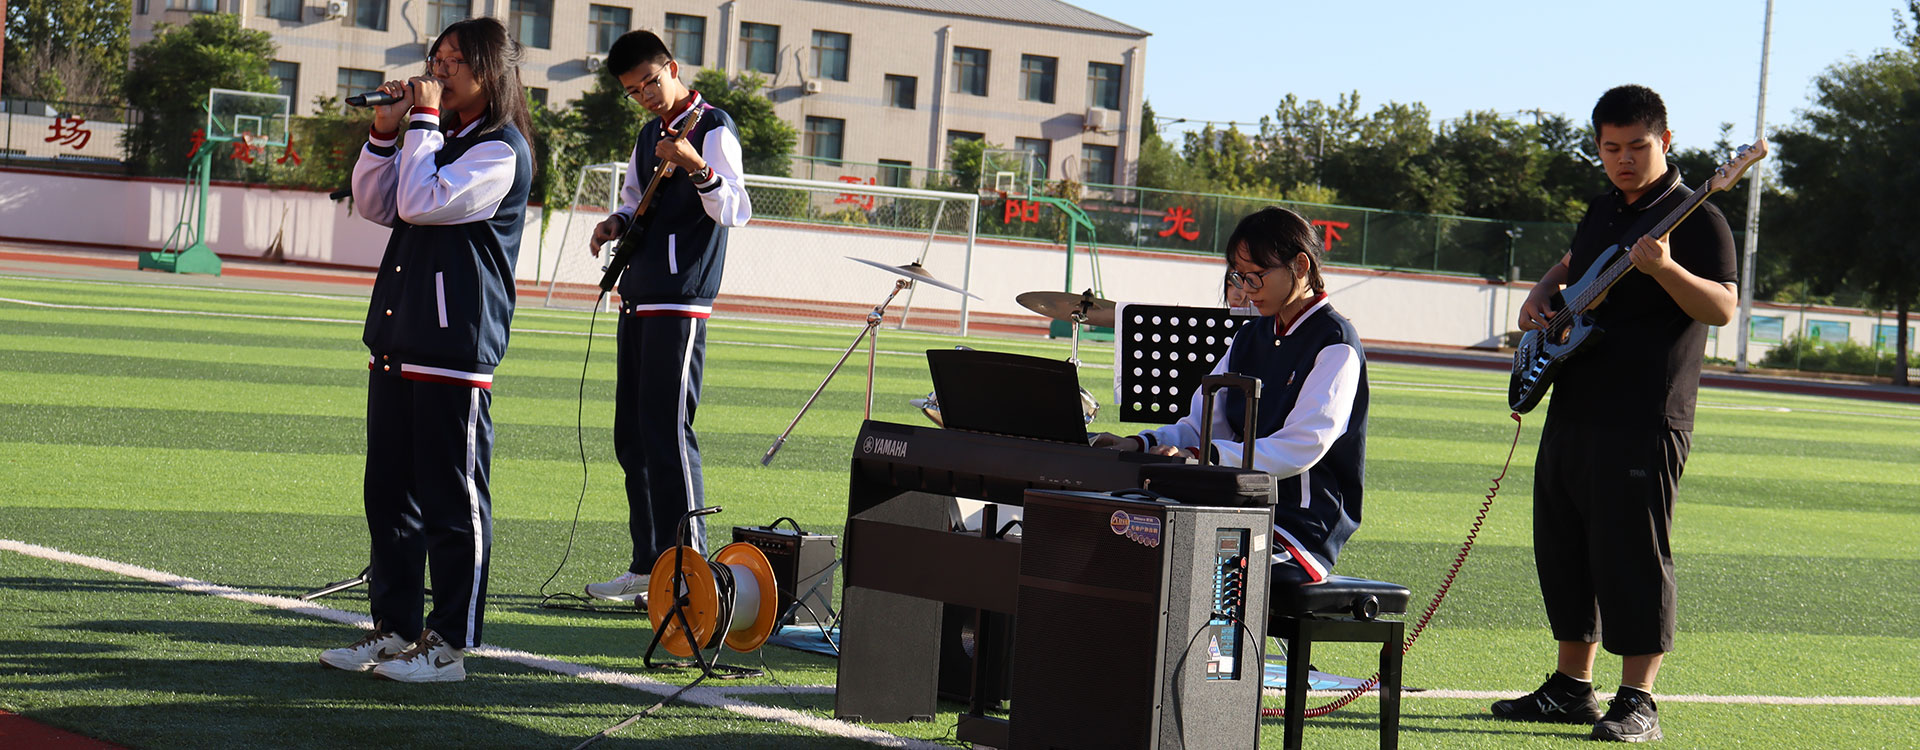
1544 351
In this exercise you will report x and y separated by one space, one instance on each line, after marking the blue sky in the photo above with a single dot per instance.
1234 60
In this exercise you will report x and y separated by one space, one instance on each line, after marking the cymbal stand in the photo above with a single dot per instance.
872 334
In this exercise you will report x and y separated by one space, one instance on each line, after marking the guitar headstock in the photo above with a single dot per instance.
1729 173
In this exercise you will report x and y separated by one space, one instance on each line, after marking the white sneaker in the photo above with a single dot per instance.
365 653
430 659
629 587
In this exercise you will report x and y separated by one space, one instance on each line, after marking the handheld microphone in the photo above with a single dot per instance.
371 99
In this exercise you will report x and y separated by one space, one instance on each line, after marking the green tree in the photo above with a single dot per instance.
1161 165
169 79
66 50
328 143
1848 164
766 141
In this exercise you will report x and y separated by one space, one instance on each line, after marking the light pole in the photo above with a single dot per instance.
1754 186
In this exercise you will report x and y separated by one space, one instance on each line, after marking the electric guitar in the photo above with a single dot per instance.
1545 350
636 227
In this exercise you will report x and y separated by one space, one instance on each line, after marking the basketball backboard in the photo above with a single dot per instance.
260 119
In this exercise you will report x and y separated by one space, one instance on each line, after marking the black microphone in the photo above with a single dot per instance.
371 99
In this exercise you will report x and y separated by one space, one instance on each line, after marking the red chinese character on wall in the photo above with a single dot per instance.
1179 219
289 153
1026 212
1331 236
865 202
67 131
199 139
242 151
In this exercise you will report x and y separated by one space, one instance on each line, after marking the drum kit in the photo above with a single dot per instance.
1082 310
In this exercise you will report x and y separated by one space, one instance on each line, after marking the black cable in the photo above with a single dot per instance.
580 603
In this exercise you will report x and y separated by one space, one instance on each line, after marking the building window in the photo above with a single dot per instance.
900 91
537 95
1098 161
206 6
1037 77
288 74
1042 150
1767 329
824 137
531 22
760 47
970 71
830 50
285 10
896 173
1103 85
370 14
687 37
957 137
446 12
355 81
606 23
1828 332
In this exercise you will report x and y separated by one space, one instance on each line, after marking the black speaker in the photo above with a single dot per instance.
803 566
957 645
1141 624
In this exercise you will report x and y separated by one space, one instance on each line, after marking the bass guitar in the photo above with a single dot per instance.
637 226
1544 351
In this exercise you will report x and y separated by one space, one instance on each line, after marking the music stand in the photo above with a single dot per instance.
1162 353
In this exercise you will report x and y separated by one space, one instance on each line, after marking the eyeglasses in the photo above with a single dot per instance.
433 63
1251 282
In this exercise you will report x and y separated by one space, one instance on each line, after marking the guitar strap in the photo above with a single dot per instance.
1643 225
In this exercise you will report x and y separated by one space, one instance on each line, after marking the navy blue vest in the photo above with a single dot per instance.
450 287
683 250
1320 506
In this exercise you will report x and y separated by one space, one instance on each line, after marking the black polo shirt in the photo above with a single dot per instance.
1644 372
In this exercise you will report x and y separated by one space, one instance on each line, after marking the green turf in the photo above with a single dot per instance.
228 448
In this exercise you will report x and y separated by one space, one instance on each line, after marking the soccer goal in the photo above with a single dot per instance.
793 258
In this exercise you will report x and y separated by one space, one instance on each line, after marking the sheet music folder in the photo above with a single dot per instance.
1008 394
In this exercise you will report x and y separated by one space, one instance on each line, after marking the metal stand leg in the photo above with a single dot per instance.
339 586
873 323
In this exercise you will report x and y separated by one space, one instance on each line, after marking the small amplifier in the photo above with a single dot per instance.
803 566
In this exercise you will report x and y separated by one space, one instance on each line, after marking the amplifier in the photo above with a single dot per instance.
803 567
1141 624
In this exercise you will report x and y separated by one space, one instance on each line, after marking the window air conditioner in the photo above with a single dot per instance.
336 8
1098 119
596 62
811 86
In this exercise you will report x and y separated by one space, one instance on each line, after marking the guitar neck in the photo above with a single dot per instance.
665 169
1614 273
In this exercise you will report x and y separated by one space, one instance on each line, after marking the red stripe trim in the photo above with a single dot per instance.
377 135
1299 558
424 111
447 380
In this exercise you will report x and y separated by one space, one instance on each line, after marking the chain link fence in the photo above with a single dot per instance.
64 135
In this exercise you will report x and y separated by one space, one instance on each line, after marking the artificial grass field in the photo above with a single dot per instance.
228 448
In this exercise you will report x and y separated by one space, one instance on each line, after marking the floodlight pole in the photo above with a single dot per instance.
1755 184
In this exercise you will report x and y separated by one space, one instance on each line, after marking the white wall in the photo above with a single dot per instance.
784 261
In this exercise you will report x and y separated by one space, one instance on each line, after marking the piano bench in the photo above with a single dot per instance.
1339 609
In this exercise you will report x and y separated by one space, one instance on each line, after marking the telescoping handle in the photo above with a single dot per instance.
1212 384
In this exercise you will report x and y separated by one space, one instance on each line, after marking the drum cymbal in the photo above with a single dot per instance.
1062 306
915 272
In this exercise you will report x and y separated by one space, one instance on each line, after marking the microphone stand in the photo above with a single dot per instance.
873 324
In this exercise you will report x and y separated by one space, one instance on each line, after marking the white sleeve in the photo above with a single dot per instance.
467 190
1186 432
374 177
630 190
1319 417
724 195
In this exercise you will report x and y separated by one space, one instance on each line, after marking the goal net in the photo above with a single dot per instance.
793 258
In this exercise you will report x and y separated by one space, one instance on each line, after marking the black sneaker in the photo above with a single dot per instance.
1631 717
1560 700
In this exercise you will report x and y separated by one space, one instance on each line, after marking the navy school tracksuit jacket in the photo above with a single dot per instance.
1311 432
676 271
443 299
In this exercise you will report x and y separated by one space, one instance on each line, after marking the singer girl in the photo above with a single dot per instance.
448 167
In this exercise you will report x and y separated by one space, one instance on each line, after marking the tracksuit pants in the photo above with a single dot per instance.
657 393
429 445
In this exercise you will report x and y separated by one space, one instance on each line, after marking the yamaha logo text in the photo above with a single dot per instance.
884 447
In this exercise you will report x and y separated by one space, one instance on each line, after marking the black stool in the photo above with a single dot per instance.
1339 609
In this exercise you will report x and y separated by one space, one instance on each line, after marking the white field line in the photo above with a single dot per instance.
189 287
703 696
721 698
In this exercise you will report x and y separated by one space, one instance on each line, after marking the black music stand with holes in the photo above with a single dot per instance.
1162 352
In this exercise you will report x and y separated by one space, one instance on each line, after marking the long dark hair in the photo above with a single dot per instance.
1273 236
494 58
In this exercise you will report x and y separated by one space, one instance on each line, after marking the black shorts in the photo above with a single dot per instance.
1602 514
